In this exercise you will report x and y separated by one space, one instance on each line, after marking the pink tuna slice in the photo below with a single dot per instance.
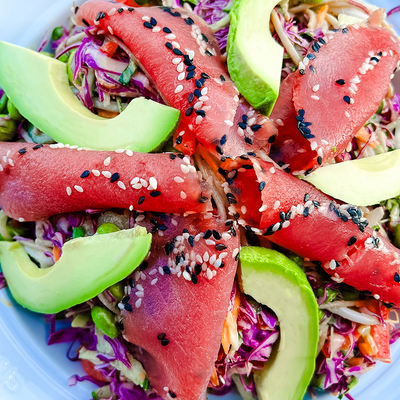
180 300
38 181
337 88
314 226
180 55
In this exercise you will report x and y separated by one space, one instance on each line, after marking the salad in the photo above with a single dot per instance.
215 183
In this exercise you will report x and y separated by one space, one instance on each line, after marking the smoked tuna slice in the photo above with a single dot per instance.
39 181
179 53
326 102
179 302
314 226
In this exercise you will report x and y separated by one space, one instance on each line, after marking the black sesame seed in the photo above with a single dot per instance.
229 222
165 342
251 153
301 112
231 198
121 326
351 241
179 140
126 299
167 30
261 186
197 93
282 216
322 41
216 234
242 125
181 156
190 75
255 128
207 234
345 30
312 69
272 139
191 68
177 52
114 177
222 78
337 264
190 97
85 174
22 151
187 62
317 263
131 9
380 54
148 25
172 394
189 111
187 269
166 270
316 203
194 278
168 45
302 72
128 307
205 38
131 282
176 14
141 200
247 166
155 193
38 146
172 156
316 47
120 10
236 216
208 53
341 82
397 277
374 59
306 197
201 113
161 336
248 140
219 150
189 21
232 230
220 247
223 140
85 22
153 21
344 218
236 258
288 215
319 160
162 227
199 84
306 212
190 240
197 269
346 99
204 75
76 9
100 16
311 56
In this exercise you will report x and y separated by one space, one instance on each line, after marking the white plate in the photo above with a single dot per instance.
29 368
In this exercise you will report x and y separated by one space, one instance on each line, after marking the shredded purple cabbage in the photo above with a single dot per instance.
393 10
3 282
120 350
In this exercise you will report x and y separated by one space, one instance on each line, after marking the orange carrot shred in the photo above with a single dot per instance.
56 253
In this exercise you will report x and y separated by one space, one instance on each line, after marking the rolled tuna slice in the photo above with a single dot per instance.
180 55
38 181
178 301
295 215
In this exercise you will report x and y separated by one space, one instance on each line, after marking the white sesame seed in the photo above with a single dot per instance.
301 65
119 151
154 281
181 76
279 122
347 114
272 170
314 97
190 53
137 186
183 195
143 182
176 61
204 91
180 67
178 89
243 209
60 145
209 274
320 153
174 222
156 29
8 153
213 258
170 36
235 253
186 160
139 293
5 159
1 168
107 174
285 224
107 161
129 153
263 208
11 162
314 145
95 172
138 303
226 236
209 242
362 71
316 88
121 306
166 388
184 168
206 256
121 185
135 180
177 45
186 275
146 18
21 219
229 123
130 208
251 121
277 205
323 141
110 30
332 264
377 297
69 191
217 263
306 61
153 182
198 105
351 100
204 98
276 226
78 188
181 133
206 108
199 119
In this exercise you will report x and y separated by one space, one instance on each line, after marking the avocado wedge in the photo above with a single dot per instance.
38 86
362 182
254 57
276 281
87 266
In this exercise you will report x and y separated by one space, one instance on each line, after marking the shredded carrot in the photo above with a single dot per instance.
214 377
354 361
211 161
366 349
365 137
230 324
109 48
323 11
56 253
106 114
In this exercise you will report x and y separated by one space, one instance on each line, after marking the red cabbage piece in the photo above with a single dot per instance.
3 282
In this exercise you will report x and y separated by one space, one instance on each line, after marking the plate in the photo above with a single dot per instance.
29 368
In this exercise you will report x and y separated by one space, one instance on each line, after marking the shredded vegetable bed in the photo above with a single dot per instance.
351 322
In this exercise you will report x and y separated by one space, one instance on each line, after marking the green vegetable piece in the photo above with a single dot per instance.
64 58
87 267
127 73
70 70
12 110
3 103
37 135
57 33
78 232
107 227
320 314
397 235
94 396
254 57
274 280
117 291
104 319
362 182
311 1
44 84
331 294
349 293
146 383
318 381
8 128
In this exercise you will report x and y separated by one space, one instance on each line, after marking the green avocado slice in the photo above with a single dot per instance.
87 267
38 86
276 281
254 57
362 182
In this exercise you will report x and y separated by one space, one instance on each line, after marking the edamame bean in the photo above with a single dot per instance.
397 235
8 128
78 232
104 319
107 227
57 33
117 290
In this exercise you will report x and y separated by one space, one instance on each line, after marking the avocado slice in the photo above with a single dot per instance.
274 280
38 86
254 57
362 182
87 267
